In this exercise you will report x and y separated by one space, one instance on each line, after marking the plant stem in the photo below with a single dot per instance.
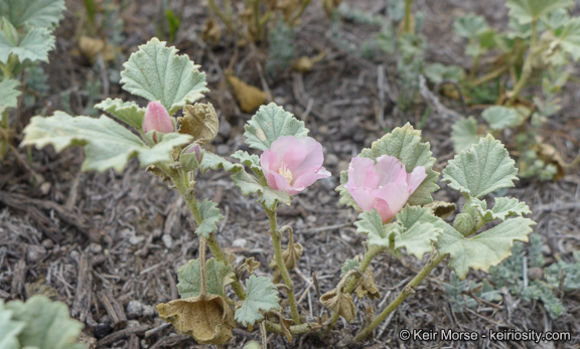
353 280
527 69
181 182
294 329
489 76
225 19
407 18
298 14
202 267
408 290
277 243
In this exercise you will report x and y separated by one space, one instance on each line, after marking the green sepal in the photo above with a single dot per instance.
128 112
107 143
270 123
156 72
261 296
481 169
218 276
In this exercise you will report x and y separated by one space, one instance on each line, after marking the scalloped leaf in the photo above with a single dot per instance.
128 112
569 38
156 72
107 143
9 329
261 296
270 123
464 134
437 72
212 161
210 217
525 11
34 13
371 224
405 144
48 324
218 275
250 160
469 26
34 46
499 117
486 249
420 230
503 208
8 94
481 169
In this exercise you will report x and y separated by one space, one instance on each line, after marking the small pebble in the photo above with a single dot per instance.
167 241
239 243
95 248
47 243
35 253
331 159
222 149
136 309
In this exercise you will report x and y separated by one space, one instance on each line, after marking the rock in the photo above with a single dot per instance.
222 149
35 253
136 309
95 248
167 241
239 243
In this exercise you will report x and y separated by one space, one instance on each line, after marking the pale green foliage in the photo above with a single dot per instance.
499 117
8 94
9 329
261 296
218 275
405 144
33 13
248 183
210 217
128 112
252 345
108 144
469 26
504 207
280 48
270 123
569 38
47 324
486 249
481 169
438 73
371 224
156 72
34 46
250 160
348 265
464 134
527 10
420 230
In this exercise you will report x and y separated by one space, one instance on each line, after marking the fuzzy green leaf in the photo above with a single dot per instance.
218 275
261 296
128 112
8 94
437 73
270 123
107 143
250 160
469 26
503 208
9 328
34 46
481 169
500 118
34 13
464 134
371 224
525 11
486 249
212 161
420 230
405 144
569 38
210 216
157 73
48 324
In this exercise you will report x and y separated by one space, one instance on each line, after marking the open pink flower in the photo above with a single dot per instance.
157 118
385 185
291 164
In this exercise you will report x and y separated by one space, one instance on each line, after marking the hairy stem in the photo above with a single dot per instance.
527 69
277 244
353 280
407 18
182 184
490 76
406 292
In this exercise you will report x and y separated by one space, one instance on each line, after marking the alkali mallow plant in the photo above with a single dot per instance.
391 183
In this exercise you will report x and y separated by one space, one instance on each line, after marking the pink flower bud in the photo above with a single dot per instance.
194 148
385 185
157 118
292 164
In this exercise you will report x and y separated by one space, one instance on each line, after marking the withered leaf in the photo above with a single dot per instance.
249 97
339 302
367 286
199 120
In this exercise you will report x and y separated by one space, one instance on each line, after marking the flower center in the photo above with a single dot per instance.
286 173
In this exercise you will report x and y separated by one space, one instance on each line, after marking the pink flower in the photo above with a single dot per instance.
385 185
157 118
291 164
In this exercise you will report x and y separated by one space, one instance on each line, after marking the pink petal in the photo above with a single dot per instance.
390 169
363 197
415 178
361 173
394 195
311 162
157 118
308 178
